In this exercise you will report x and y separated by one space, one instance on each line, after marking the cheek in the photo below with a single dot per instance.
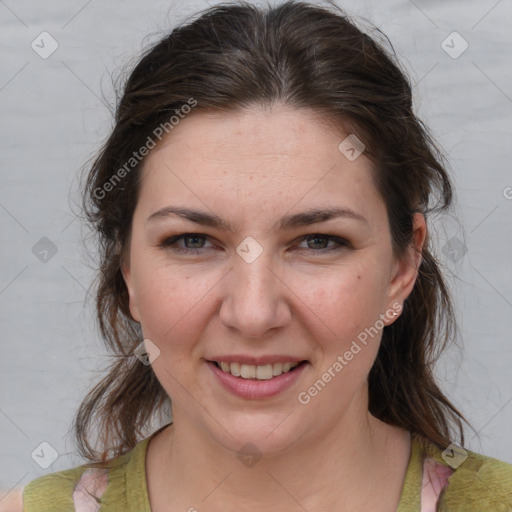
350 304
349 307
171 303
346 301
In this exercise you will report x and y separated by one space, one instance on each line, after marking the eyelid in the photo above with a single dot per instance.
339 243
167 242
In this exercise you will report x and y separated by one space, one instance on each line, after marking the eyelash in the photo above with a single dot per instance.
170 243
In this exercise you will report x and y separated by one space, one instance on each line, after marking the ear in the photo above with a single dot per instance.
405 271
129 281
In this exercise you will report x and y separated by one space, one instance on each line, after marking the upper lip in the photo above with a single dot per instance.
257 361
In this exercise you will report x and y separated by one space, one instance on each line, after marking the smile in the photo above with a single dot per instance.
256 381
259 372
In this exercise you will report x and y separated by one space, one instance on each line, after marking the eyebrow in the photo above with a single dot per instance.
295 220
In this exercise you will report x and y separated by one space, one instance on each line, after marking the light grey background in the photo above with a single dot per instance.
53 119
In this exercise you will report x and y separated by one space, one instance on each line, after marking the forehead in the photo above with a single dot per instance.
280 131
267 159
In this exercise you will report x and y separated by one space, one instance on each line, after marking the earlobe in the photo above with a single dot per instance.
132 301
405 271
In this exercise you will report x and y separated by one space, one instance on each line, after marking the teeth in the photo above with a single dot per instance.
260 372
235 369
264 372
277 369
248 371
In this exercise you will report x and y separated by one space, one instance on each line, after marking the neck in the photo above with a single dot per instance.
355 464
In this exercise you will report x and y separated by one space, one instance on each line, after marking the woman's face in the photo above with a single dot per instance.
260 282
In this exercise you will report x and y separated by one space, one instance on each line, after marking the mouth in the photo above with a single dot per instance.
257 372
257 381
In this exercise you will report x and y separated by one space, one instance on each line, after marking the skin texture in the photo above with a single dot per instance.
13 500
297 299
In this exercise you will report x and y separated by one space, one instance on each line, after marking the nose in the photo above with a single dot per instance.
255 298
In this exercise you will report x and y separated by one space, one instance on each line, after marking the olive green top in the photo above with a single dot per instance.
479 483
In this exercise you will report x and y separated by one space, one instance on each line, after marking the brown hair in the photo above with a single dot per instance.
235 56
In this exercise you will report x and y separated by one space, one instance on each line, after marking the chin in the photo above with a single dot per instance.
263 433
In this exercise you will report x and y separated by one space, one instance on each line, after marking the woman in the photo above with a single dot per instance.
262 207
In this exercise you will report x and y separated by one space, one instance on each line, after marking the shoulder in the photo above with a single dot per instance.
12 501
44 493
52 490
476 482
481 482
82 488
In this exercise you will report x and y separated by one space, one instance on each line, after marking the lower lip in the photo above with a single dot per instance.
254 388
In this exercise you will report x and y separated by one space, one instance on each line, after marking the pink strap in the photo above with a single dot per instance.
89 489
435 479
